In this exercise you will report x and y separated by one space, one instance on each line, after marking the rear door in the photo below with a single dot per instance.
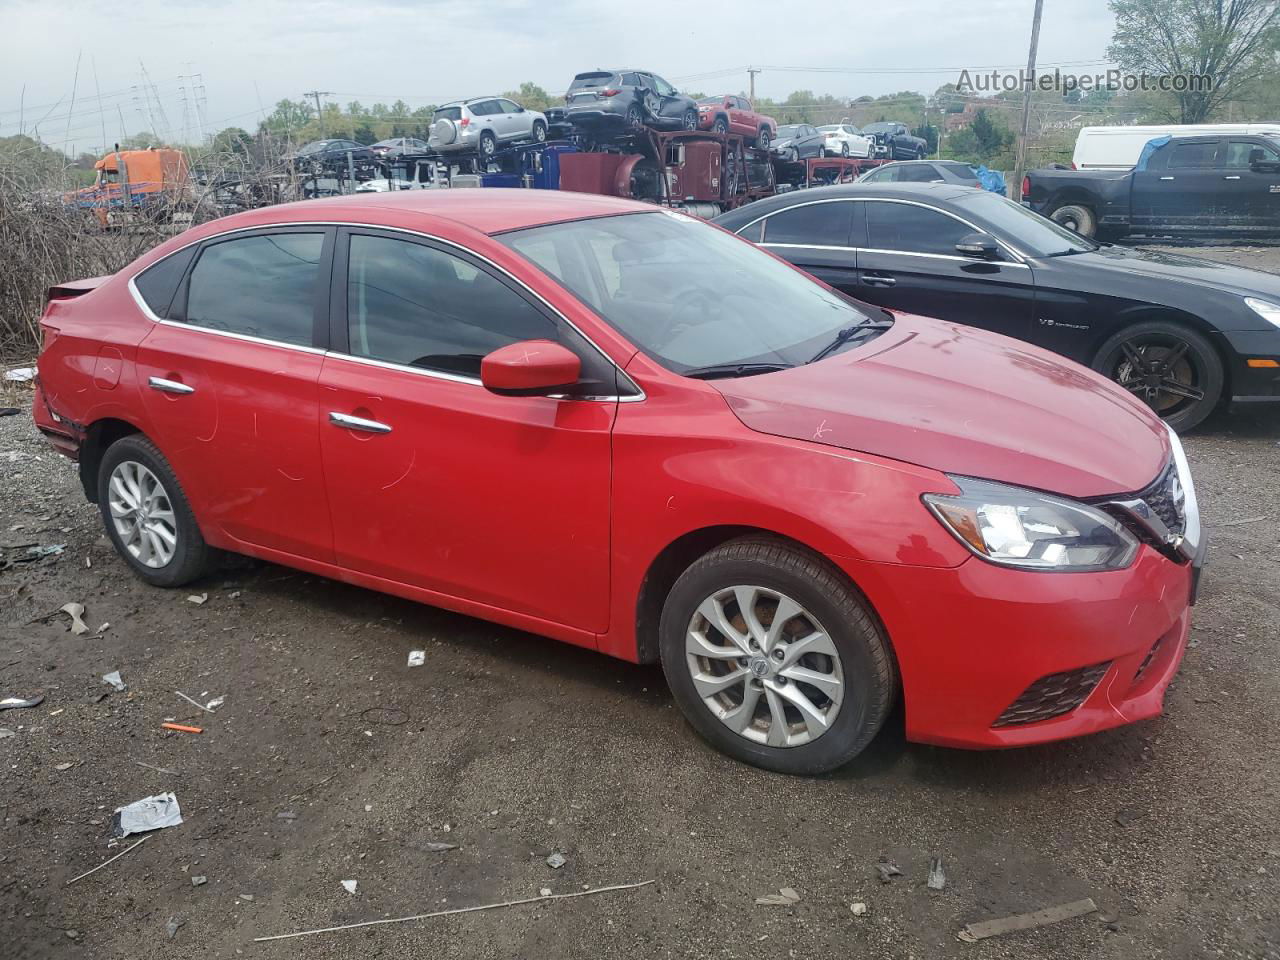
1252 197
817 237
907 261
438 483
510 122
243 341
1182 187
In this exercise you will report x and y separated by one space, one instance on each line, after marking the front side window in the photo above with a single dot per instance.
812 224
1238 152
418 306
259 286
913 229
688 294
663 88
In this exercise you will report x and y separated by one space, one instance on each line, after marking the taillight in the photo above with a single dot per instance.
1073 165
464 122
610 92
1026 186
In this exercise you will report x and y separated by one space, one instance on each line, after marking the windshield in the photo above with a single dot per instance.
788 131
1029 232
687 294
878 128
589 81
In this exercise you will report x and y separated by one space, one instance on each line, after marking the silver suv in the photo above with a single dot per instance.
482 124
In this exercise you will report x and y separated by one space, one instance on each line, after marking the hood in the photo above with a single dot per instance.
967 402
1177 268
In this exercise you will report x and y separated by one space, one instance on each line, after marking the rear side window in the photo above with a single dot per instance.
883 175
812 224
919 173
913 229
260 286
754 233
417 306
159 282
449 113
1193 156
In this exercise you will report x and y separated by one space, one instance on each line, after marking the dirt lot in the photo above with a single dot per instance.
512 747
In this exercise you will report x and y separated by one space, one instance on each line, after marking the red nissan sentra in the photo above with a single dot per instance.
624 428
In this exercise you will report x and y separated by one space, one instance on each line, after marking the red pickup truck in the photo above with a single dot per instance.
733 114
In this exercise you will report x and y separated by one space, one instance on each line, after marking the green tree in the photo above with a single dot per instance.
533 97
231 140
1231 41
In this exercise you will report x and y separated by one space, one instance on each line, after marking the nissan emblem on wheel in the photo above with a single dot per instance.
603 443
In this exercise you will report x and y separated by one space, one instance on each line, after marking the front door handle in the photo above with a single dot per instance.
1232 177
169 386
357 423
875 280
1166 178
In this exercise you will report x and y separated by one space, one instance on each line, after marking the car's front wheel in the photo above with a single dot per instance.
774 658
1170 367
691 119
762 141
147 515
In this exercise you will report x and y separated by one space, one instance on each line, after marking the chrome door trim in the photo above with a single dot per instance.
944 256
146 310
170 386
350 422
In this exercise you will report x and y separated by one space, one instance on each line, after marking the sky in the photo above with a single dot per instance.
248 54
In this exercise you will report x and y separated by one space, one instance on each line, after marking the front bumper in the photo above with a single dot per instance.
973 641
1253 383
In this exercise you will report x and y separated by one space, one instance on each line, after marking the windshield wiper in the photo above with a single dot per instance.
845 334
1066 253
717 370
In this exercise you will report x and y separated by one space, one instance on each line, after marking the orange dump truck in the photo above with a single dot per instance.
153 181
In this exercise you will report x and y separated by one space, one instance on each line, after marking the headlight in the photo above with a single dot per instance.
1033 531
1265 309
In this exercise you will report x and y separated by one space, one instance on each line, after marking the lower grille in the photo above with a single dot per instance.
1052 696
1146 661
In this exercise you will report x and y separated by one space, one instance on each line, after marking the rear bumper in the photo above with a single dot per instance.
989 642
608 110
63 435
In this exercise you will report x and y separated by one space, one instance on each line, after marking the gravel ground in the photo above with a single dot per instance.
331 761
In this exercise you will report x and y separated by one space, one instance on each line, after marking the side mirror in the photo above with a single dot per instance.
1263 166
530 368
978 245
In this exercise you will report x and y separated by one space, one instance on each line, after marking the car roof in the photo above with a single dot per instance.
941 193
490 210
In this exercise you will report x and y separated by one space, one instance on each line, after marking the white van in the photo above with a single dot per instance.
1118 148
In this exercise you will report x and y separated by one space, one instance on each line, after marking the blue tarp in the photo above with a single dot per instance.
992 180
1151 147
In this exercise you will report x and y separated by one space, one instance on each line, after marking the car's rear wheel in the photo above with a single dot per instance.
147 515
774 658
1170 367
488 144
539 131
1075 217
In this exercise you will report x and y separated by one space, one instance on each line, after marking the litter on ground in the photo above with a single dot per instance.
149 813
1026 921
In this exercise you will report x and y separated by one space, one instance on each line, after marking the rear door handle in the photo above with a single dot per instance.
875 280
1166 178
357 423
1233 177
169 386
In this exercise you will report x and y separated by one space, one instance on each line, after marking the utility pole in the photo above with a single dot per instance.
319 114
1029 82
751 72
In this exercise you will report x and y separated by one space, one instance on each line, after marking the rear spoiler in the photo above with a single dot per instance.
75 288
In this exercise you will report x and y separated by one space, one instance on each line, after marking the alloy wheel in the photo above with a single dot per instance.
142 514
1161 371
764 666
691 120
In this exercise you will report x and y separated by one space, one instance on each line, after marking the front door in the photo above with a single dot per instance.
231 379
908 261
1251 198
436 482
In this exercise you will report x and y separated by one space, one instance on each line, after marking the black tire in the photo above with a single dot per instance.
1179 365
869 674
721 125
1075 217
635 115
762 140
191 558
488 144
539 132
844 149
690 119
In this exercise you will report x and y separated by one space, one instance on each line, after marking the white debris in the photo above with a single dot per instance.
417 658
349 886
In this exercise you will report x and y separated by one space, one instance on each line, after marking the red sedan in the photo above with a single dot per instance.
627 429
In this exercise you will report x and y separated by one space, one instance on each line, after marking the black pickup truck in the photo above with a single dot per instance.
1189 185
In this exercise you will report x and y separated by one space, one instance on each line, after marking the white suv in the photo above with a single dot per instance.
484 123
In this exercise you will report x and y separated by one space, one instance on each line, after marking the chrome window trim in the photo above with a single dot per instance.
944 256
439 375
1019 257
805 246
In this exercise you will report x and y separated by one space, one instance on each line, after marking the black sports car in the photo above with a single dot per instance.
1182 334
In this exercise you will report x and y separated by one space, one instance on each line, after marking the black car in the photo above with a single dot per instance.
1180 333
797 141
628 97
330 157
895 141
923 171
